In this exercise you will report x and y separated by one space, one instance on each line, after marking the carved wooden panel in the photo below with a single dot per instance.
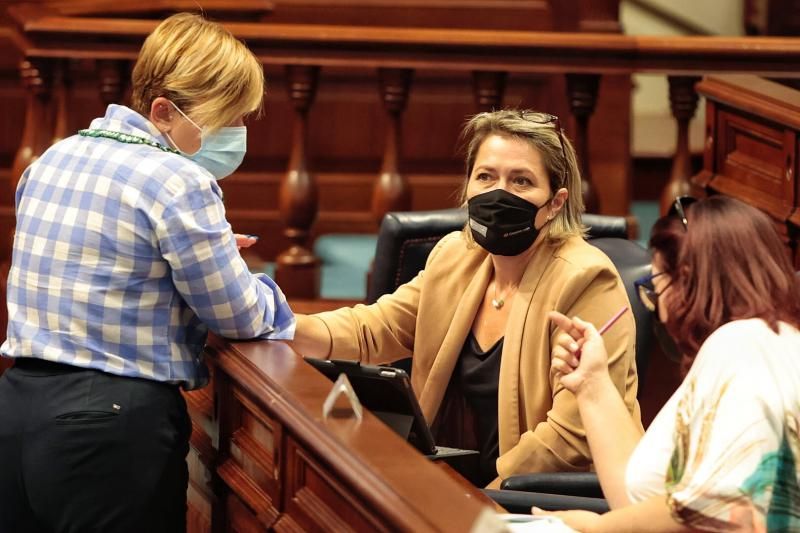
250 469
751 148
316 501
201 459
754 154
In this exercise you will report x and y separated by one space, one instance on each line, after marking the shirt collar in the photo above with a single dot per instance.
123 119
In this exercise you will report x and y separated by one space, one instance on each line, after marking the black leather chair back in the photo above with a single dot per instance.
406 238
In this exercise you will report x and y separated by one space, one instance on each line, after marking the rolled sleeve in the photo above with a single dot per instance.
210 274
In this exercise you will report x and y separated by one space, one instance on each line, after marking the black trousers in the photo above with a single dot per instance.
85 451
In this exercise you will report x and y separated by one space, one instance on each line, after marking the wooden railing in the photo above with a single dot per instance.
48 42
263 457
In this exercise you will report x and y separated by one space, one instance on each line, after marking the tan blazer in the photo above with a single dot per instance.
430 317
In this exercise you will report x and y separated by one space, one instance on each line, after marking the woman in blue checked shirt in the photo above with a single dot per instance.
122 262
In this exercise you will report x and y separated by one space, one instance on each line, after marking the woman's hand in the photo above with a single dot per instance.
579 355
245 241
583 521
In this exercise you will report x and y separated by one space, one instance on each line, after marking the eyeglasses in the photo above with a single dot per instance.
679 208
646 291
547 118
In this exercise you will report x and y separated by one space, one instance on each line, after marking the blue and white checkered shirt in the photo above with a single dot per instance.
123 261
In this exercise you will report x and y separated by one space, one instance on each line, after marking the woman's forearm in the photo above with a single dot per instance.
650 516
311 337
612 435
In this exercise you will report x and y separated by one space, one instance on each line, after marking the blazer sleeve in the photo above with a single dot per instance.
382 332
559 443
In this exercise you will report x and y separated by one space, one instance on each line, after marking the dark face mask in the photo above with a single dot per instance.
502 223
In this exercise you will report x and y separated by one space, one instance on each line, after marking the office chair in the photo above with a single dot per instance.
406 239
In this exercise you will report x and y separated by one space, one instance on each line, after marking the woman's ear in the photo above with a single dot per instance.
558 202
162 114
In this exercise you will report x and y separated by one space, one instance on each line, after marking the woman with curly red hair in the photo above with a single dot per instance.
724 452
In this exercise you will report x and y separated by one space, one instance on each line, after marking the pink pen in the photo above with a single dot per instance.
605 327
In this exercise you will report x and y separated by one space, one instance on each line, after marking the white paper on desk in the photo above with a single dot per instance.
491 522
525 523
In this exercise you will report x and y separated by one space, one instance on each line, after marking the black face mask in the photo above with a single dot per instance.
502 223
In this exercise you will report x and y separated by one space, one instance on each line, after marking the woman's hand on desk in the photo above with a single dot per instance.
579 356
583 521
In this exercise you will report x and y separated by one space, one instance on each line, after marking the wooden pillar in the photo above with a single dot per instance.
297 270
489 88
683 103
112 77
391 191
582 97
37 133
62 89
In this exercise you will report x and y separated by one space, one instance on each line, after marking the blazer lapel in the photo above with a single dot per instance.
508 399
453 342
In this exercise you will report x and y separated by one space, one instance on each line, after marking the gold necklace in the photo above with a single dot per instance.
498 303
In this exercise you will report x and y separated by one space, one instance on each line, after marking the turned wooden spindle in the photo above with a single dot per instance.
62 90
297 270
37 133
489 88
112 77
582 97
391 191
683 103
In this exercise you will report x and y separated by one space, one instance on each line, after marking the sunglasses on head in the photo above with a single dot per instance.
679 207
547 118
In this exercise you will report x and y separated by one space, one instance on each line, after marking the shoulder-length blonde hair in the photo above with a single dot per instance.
542 132
202 68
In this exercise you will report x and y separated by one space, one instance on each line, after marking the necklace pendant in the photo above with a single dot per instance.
497 304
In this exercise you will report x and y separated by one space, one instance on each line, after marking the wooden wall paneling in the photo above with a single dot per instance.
489 89
526 15
248 465
113 80
751 157
202 459
316 501
609 147
599 16
754 152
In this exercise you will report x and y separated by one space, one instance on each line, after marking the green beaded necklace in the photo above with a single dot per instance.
126 138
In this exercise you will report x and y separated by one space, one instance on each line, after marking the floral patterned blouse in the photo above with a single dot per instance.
725 449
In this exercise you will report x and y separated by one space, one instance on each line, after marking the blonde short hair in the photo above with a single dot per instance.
542 132
202 68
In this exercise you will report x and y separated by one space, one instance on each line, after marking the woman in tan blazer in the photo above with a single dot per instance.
475 319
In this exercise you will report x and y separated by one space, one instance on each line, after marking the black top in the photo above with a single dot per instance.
478 374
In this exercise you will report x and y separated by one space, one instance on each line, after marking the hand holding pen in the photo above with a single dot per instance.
578 353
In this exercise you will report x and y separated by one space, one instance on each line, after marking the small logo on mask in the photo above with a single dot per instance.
516 232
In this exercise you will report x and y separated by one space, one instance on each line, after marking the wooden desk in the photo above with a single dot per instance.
751 148
265 459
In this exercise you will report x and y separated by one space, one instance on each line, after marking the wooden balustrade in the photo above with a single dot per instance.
391 192
582 95
297 269
490 58
683 104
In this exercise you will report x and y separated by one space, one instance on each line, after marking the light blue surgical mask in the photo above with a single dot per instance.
221 152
